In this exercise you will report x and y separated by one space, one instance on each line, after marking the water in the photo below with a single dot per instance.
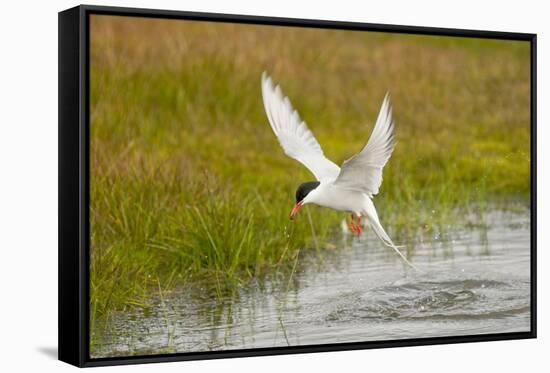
476 280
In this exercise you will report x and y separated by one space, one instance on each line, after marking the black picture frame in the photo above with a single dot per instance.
74 230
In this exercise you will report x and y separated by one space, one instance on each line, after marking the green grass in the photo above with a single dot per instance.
188 181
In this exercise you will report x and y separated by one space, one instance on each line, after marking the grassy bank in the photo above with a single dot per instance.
188 181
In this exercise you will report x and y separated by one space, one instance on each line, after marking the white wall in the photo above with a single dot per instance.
28 183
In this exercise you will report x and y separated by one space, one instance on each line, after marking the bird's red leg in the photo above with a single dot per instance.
359 225
352 225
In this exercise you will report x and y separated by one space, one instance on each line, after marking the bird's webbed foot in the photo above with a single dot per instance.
352 224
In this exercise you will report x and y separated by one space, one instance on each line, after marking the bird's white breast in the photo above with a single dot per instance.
328 195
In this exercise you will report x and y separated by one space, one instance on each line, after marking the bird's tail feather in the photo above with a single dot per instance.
381 233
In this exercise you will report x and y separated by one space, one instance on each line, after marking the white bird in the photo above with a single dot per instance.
349 188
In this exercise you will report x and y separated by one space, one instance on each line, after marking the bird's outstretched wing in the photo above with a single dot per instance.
363 171
293 134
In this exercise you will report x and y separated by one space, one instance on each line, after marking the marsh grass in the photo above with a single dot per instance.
189 183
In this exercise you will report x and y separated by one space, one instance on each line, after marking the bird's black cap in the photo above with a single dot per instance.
304 189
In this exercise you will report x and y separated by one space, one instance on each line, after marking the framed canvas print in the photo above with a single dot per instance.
233 185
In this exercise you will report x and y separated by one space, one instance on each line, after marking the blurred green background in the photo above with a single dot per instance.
188 181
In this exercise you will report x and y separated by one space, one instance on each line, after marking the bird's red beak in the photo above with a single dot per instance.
295 209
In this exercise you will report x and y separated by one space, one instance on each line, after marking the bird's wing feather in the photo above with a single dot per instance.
293 134
363 171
